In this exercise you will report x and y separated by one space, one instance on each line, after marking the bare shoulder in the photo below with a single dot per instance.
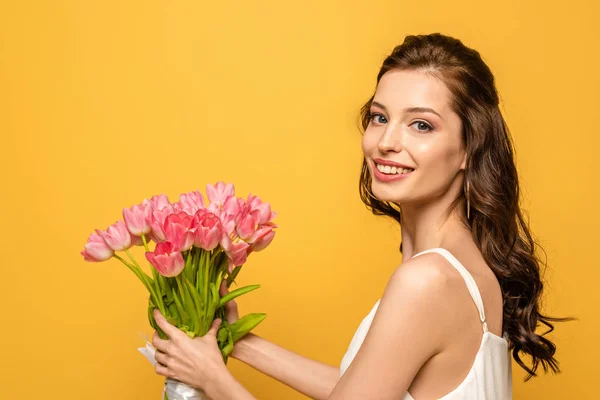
426 274
421 286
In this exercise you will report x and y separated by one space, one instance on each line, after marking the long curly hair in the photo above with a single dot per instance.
496 221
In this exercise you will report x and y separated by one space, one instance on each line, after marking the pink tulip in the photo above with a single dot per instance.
236 251
219 193
228 212
116 236
135 219
246 223
177 207
96 249
228 223
264 209
262 237
179 231
156 219
208 230
192 202
158 202
233 205
166 259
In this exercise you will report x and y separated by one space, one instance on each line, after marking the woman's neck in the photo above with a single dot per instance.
430 226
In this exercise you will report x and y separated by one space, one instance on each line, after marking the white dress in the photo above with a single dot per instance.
490 377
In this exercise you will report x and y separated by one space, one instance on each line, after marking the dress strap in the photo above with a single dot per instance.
471 284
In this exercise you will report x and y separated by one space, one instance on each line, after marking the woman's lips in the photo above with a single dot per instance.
380 176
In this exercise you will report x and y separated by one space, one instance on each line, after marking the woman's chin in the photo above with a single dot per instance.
389 196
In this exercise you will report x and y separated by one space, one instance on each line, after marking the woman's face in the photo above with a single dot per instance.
416 134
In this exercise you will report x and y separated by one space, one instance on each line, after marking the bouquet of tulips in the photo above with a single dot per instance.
198 245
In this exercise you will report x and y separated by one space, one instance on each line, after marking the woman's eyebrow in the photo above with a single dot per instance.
410 110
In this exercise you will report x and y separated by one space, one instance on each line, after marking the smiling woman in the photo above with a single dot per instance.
438 159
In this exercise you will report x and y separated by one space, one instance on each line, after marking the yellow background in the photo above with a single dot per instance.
105 103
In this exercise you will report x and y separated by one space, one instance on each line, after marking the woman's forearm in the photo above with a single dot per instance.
309 377
226 387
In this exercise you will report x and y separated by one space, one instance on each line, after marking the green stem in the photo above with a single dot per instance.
206 279
145 242
145 280
132 259
157 286
133 269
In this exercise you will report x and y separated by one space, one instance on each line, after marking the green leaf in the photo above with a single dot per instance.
245 324
223 334
200 275
174 313
228 349
213 302
189 304
236 293
152 321
188 269
197 303
185 318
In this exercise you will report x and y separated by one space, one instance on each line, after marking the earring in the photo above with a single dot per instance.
468 203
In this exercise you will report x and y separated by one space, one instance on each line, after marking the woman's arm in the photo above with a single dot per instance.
407 330
309 377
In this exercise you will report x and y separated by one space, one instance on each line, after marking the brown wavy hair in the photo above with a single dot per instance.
498 225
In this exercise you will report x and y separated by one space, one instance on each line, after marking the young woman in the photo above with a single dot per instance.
438 159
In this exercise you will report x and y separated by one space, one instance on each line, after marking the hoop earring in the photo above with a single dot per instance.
468 203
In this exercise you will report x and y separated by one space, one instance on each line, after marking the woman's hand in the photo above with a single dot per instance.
196 362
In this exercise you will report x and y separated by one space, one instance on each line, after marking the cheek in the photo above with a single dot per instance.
367 143
435 160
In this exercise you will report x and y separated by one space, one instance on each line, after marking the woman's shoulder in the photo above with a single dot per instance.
429 284
429 270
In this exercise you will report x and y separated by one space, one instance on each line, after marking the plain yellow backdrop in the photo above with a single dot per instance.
105 103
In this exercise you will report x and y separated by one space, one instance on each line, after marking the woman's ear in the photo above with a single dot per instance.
463 165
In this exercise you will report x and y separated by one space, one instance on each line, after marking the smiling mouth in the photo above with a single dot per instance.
388 170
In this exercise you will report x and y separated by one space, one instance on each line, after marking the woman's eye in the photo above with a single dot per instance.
382 119
422 126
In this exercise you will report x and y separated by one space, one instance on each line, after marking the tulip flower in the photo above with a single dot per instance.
178 230
247 223
158 202
237 251
96 249
219 193
208 230
191 202
166 259
116 236
263 209
136 219
262 237
156 219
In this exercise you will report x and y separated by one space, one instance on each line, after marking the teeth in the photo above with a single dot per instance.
386 169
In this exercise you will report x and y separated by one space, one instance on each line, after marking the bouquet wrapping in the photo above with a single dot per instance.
197 246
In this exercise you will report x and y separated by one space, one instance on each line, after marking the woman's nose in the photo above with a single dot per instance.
391 140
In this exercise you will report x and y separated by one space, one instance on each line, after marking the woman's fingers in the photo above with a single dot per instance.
161 358
159 343
170 330
223 290
162 370
214 327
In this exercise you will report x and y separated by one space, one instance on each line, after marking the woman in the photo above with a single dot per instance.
439 160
